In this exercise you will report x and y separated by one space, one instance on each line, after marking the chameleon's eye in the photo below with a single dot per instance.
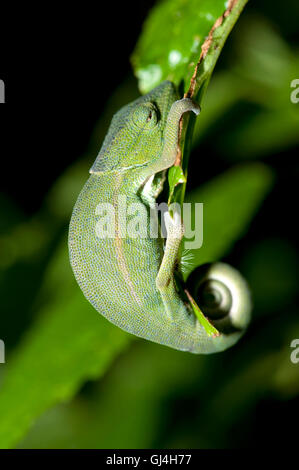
145 116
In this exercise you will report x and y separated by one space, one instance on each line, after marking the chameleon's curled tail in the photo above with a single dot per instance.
224 298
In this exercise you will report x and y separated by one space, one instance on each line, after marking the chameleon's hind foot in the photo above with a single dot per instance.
174 225
175 233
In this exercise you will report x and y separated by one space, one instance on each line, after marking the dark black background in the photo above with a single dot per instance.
59 68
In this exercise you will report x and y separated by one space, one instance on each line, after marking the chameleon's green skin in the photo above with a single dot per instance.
130 281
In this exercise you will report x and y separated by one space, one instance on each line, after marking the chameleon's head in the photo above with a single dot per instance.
135 136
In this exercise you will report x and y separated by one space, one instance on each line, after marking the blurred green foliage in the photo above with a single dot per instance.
227 217
110 389
261 70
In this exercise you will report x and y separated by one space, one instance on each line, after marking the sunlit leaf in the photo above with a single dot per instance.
172 39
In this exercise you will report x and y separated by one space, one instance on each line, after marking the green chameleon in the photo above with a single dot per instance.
134 282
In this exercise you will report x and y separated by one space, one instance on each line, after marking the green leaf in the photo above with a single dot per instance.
229 203
175 176
209 328
173 38
126 410
69 344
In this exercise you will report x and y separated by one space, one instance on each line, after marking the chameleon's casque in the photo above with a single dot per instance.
131 280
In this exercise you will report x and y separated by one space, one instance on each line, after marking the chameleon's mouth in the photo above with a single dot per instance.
94 171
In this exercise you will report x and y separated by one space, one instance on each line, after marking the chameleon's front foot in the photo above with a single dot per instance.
171 133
